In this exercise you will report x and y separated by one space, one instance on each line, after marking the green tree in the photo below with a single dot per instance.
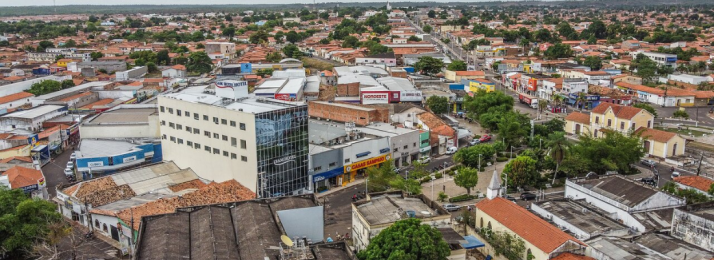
645 67
96 55
438 104
558 145
199 62
407 239
413 38
509 246
350 42
67 84
521 171
258 37
290 49
24 222
151 67
264 72
594 62
44 45
229 32
467 178
558 51
292 37
45 87
457 65
613 152
513 126
431 14
429 65
469 156
427 28
274 57
70 44
681 114
162 58
647 107
384 177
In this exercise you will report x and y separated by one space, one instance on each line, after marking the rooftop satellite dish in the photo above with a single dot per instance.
286 240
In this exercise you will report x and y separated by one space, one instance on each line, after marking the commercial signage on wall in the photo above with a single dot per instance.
411 95
375 98
95 164
129 159
367 163
284 160
286 97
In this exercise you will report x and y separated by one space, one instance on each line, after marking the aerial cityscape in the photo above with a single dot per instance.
516 130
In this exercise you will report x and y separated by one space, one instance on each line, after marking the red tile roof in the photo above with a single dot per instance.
578 117
697 182
654 134
14 97
101 102
531 228
22 177
624 112
19 158
571 256
73 97
470 73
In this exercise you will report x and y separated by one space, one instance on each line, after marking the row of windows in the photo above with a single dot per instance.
196 116
207 148
318 168
234 141
405 147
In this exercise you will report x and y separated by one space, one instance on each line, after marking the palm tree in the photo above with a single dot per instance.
558 149
581 100
542 105
558 100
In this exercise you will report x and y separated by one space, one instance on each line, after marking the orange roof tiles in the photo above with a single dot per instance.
22 177
19 158
73 97
624 112
14 97
101 102
571 256
578 117
470 73
192 184
654 134
531 228
697 182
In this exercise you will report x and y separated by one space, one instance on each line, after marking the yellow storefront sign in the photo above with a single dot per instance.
367 163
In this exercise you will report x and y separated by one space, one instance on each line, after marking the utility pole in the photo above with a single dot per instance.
699 168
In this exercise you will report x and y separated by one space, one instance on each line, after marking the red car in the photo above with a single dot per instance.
485 138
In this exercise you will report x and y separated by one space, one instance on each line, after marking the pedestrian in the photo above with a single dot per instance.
444 188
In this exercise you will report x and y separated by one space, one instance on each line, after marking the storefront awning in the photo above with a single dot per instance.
472 242
328 174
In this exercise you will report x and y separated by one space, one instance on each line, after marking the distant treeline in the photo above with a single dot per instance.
146 9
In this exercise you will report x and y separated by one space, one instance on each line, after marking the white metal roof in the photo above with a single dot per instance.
33 112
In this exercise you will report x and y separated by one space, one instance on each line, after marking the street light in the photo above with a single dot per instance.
479 162
432 186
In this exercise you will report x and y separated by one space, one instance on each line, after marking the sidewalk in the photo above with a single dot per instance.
336 189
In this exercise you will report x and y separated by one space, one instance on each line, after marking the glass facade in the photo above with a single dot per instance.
282 151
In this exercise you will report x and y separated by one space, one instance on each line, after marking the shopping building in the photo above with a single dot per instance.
225 133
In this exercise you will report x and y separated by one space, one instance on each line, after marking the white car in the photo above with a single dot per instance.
70 164
675 174
424 159
451 150
68 171
474 142
72 156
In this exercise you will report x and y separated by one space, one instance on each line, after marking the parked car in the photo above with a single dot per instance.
648 163
474 142
649 181
508 197
451 207
528 196
424 159
73 156
451 150
485 138
68 171
70 164
675 174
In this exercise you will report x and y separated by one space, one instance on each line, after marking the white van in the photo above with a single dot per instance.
451 150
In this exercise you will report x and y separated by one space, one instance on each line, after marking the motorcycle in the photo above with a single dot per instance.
89 235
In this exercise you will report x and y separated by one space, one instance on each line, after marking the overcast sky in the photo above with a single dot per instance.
161 2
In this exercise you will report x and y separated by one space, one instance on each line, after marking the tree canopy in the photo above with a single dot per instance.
613 152
558 51
24 222
467 178
521 171
407 240
429 65
199 62
457 65
469 156
438 104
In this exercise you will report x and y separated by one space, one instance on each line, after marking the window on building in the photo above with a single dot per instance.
243 144
406 147
233 123
178 112
163 122
234 156
180 141
225 153
332 164
179 127
224 122
196 131
205 117
171 110
207 148
216 151
197 145
414 145
206 133
348 160
597 119
189 129
189 143
609 122
215 120
173 139
243 158
161 108
163 137
242 126
234 142
622 125
187 113
318 168
649 124
633 126
396 149
172 125
195 116
224 138
216 136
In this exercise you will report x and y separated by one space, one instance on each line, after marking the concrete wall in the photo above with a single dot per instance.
346 114
347 90
665 150
693 229
618 210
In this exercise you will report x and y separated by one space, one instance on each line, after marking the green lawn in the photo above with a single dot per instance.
684 131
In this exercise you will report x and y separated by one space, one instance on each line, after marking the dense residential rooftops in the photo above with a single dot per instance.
525 224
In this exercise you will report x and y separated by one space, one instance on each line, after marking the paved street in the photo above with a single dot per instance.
54 172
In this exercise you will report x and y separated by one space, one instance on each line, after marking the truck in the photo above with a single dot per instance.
529 100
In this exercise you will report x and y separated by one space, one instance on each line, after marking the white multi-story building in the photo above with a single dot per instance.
224 133
669 60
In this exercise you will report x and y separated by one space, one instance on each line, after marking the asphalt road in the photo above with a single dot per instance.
54 172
